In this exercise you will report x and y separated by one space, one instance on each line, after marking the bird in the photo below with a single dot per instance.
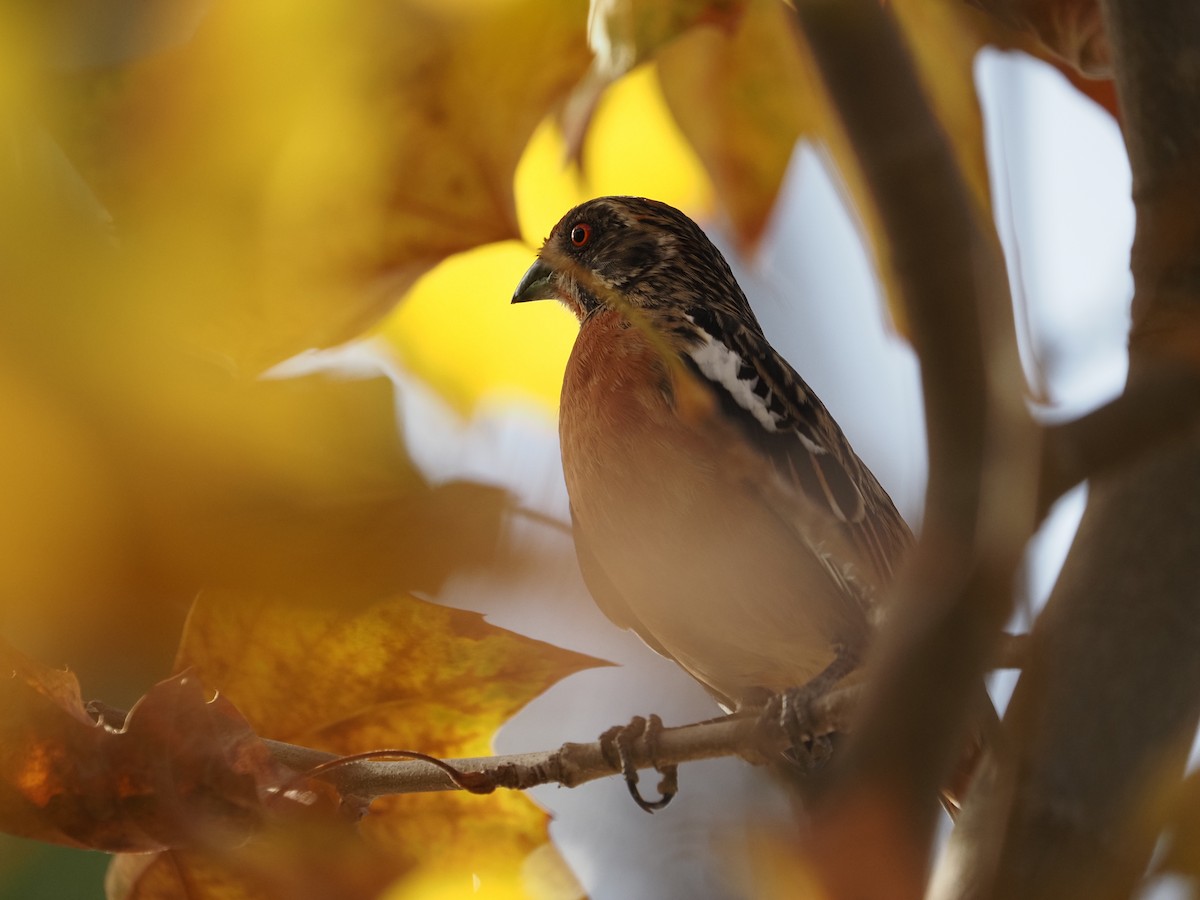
718 511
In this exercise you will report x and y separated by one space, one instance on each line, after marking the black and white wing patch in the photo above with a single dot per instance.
785 420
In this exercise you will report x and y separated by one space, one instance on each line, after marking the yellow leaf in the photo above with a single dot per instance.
635 147
623 33
542 876
401 674
290 172
457 330
60 523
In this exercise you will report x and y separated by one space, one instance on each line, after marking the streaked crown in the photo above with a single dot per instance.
630 250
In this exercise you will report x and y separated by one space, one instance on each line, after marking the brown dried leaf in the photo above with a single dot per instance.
182 766
1070 30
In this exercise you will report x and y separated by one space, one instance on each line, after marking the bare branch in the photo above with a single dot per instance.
1110 701
1163 405
745 735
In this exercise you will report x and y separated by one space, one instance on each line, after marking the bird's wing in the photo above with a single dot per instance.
605 593
785 421
613 604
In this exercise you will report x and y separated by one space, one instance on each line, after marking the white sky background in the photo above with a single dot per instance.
1062 187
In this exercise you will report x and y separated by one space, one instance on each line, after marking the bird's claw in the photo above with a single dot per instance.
617 746
793 711
811 741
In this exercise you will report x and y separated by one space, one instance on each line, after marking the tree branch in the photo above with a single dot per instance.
1162 406
1104 713
947 610
750 736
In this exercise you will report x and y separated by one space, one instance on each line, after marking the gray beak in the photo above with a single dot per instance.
535 285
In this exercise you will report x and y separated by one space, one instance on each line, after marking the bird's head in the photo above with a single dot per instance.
630 253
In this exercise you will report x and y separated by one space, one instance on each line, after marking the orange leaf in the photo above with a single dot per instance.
1072 31
740 98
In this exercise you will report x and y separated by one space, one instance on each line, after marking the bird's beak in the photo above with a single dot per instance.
535 285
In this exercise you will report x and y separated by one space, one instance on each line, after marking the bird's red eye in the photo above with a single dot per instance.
581 234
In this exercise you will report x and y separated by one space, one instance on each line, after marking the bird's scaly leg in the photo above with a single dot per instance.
617 746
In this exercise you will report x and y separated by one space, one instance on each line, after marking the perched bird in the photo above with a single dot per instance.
718 510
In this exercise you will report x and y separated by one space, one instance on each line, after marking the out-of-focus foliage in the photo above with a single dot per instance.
193 192
232 184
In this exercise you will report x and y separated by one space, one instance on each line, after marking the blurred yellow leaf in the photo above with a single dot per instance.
300 484
262 164
543 876
60 527
770 866
635 147
457 331
291 171
281 863
332 863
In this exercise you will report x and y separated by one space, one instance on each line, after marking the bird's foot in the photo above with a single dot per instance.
812 740
617 746
811 747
